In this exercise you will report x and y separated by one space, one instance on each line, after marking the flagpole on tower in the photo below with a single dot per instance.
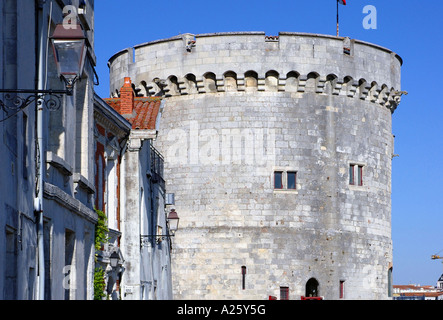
343 2
337 20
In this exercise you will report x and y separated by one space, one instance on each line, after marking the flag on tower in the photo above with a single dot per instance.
343 2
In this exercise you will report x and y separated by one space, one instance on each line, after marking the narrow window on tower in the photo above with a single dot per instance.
356 175
351 174
360 175
292 180
342 289
243 277
284 293
278 180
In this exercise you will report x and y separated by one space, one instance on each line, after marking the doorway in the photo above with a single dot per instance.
312 288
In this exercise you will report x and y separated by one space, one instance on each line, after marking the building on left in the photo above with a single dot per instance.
47 217
64 155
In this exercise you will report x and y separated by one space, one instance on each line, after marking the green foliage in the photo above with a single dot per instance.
99 284
101 230
101 237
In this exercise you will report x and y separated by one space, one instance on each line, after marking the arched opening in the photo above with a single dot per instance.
384 93
210 82
348 82
271 80
230 81
373 92
136 90
172 87
251 80
363 88
331 82
191 83
312 288
312 81
143 89
331 78
292 79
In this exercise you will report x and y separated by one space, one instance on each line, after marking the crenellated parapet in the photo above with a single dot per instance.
271 81
252 61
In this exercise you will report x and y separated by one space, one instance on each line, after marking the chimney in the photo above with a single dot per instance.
126 97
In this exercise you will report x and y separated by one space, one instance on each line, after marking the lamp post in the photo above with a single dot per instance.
172 223
69 47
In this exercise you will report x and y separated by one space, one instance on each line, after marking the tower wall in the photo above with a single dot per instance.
242 106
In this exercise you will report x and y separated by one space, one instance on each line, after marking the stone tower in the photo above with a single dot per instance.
278 150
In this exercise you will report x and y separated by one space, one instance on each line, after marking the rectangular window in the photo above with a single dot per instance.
284 293
278 180
285 180
351 174
292 179
243 277
390 282
356 175
342 289
360 175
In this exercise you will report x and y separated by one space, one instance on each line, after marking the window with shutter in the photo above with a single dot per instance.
278 180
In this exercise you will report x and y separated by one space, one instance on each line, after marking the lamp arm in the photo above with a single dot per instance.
13 101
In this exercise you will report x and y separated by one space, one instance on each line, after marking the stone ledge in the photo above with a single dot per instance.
58 163
52 192
84 183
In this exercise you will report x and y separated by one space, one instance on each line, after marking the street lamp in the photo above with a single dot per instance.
173 220
113 259
69 53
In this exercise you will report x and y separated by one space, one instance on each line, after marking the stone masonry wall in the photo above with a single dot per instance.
241 106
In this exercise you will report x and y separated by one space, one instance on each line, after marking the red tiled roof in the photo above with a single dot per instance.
114 103
421 294
412 286
144 114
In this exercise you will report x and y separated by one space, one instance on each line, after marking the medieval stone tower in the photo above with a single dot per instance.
278 150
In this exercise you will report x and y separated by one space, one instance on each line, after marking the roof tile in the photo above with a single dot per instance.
145 111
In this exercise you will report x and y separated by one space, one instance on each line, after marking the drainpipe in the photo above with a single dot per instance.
38 202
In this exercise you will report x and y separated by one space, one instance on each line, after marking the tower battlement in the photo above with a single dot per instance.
248 61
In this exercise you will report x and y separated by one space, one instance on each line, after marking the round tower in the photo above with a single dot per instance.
278 150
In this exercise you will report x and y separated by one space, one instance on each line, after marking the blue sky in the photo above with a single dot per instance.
413 29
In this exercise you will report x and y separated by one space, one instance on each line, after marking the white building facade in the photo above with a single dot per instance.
145 241
54 166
